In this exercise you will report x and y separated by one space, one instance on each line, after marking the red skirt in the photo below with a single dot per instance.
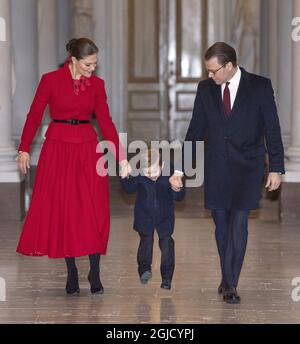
69 210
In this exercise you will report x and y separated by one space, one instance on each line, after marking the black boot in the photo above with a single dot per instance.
72 286
94 274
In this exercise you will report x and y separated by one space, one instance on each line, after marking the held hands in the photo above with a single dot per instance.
23 162
176 182
273 181
125 169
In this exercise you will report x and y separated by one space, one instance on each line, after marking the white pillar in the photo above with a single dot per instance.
264 38
101 37
82 19
218 22
25 60
284 66
273 43
8 166
119 58
47 38
12 184
64 34
276 57
47 60
111 36
293 153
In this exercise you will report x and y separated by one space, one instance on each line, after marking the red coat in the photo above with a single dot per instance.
56 90
69 211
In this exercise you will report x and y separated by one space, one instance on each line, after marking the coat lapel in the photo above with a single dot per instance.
217 99
241 96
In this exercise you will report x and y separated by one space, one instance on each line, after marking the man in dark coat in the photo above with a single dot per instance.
236 114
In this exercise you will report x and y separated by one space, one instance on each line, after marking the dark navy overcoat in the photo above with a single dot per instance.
154 205
236 145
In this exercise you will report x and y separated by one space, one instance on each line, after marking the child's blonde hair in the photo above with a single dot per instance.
150 157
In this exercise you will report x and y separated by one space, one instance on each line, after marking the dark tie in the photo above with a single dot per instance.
226 100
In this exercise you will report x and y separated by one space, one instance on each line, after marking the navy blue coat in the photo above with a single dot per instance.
234 154
154 204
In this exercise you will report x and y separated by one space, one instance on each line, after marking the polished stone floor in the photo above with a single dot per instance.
34 287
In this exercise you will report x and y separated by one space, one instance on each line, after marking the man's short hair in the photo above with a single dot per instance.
223 52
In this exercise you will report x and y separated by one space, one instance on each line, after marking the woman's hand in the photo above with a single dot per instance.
23 162
125 169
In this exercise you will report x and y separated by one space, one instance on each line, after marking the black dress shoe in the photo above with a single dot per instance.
96 285
72 286
231 296
221 288
166 284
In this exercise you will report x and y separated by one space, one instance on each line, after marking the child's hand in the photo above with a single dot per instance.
125 169
176 183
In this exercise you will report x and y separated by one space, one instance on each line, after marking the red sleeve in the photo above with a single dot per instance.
35 115
105 122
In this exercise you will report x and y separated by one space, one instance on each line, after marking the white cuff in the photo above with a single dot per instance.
178 173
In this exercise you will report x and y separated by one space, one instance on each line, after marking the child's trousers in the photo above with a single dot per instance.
145 252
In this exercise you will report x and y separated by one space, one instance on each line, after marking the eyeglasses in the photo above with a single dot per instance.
214 72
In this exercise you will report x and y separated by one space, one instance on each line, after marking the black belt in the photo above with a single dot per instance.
72 121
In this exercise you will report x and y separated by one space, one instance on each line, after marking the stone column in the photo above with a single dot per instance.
273 43
218 21
284 66
47 38
101 37
11 182
110 36
245 28
25 60
290 202
293 153
83 19
64 28
47 61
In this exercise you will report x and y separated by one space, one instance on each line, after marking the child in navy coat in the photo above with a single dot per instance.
154 209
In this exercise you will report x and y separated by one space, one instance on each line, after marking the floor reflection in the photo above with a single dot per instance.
167 310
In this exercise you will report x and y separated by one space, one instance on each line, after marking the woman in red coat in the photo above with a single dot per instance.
69 210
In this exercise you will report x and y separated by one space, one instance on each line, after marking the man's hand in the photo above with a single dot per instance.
125 169
176 182
23 161
273 181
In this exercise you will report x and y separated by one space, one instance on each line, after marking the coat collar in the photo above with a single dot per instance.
243 89
242 93
235 80
77 85
65 70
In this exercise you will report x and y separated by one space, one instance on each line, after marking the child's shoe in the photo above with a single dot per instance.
166 284
145 276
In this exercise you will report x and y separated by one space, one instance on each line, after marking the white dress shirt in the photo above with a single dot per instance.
233 86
